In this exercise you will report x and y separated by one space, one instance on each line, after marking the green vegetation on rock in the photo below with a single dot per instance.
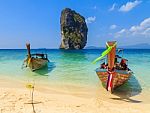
73 30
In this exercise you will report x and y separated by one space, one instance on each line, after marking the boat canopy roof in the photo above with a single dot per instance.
39 54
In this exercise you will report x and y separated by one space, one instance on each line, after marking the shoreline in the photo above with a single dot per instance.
14 95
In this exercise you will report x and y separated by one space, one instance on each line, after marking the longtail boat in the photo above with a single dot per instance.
112 73
35 61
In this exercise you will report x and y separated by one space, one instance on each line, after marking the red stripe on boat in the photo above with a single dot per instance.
110 81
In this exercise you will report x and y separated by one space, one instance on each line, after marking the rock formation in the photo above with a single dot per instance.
73 30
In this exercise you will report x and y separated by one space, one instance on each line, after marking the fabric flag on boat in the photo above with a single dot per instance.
104 53
109 81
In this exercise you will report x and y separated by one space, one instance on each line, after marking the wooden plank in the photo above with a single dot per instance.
111 55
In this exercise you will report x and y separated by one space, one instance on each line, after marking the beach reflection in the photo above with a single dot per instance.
47 69
41 72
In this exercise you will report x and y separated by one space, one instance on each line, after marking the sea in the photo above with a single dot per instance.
72 71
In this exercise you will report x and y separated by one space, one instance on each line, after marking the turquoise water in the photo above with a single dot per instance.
74 68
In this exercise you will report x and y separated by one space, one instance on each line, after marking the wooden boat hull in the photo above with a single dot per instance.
37 63
119 77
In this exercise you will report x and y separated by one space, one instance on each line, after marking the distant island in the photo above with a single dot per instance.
93 47
136 46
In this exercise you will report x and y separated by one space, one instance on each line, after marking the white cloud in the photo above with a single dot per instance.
113 7
141 30
90 19
113 26
120 33
147 32
129 6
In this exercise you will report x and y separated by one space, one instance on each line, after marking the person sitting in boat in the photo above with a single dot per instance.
103 66
117 65
116 60
123 64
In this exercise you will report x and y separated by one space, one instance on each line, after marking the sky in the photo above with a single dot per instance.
38 22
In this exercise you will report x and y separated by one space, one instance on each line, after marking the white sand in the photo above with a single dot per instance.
14 97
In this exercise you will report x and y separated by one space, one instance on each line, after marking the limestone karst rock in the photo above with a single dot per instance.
73 30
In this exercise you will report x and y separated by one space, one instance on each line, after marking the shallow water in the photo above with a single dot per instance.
73 69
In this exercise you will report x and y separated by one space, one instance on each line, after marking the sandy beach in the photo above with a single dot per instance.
16 98
74 56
